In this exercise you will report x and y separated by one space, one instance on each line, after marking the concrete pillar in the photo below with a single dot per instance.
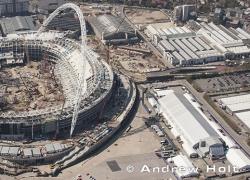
126 35
102 35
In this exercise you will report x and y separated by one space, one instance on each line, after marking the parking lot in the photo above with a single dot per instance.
224 83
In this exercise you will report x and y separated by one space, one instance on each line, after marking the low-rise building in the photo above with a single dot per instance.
208 43
184 117
236 104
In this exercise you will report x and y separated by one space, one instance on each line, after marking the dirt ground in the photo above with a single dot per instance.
137 16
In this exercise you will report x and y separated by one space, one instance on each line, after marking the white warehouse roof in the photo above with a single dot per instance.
237 103
239 107
235 99
244 117
186 118
184 163
238 159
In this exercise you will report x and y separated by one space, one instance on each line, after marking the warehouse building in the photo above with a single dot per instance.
15 24
238 159
112 29
183 46
184 117
244 117
236 104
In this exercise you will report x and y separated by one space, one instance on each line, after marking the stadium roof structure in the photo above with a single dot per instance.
109 27
18 23
109 24
65 22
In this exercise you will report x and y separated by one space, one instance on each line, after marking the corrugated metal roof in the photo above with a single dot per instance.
186 49
14 151
18 23
5 150
50 148
27 152
197 45
36 152
189 44
57 146
111 24
217 150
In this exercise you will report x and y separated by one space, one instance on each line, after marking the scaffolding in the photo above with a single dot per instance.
66 55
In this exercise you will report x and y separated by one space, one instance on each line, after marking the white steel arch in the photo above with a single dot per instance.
81 79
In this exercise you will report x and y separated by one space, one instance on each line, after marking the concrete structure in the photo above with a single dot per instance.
66 54
182 46
87 81
184 117
112 29
17 24
182 13
13 7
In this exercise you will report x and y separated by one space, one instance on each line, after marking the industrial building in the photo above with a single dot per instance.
244 117
17 24
112 29
238 159
184 117
236 104
183 46
13 7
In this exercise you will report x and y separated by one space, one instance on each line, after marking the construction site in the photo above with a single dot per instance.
29 87
59 99
40 82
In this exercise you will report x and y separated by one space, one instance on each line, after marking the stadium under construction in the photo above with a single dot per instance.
51 84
